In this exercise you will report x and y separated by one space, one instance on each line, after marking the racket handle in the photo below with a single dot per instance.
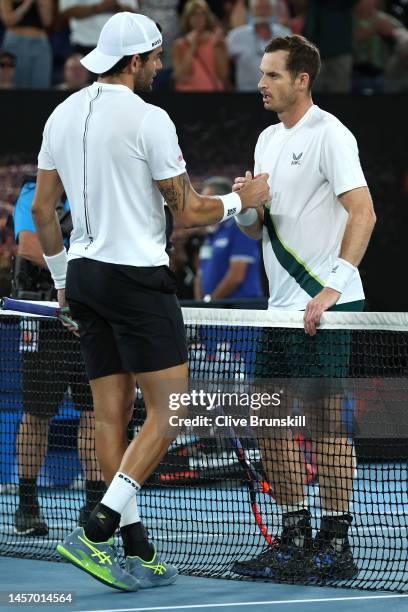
29 307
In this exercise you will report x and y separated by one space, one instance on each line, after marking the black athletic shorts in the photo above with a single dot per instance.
129 317
52 365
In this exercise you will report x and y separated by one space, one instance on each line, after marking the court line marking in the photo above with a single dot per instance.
248 603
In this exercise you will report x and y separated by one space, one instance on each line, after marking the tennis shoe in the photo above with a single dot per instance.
330 564
287 560
30 522
332 560
151 573
98 559
279 564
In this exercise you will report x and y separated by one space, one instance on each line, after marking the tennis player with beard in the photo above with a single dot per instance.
117 157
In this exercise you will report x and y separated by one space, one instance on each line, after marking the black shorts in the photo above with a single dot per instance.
129 317
52 365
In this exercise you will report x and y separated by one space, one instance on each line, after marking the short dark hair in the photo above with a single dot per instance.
303 55
124 61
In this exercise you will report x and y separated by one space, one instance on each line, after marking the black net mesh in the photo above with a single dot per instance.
196 505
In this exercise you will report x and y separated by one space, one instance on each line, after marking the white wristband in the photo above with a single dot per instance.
249 217
57 265
340 275
232 205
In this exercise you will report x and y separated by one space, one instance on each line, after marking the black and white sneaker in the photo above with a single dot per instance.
287 561
332 558
29 521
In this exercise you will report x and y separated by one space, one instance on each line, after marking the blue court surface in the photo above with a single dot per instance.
207 527
189 593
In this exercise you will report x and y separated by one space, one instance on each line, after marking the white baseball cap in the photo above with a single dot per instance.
123 34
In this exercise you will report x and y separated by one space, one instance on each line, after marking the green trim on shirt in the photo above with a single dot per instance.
298 269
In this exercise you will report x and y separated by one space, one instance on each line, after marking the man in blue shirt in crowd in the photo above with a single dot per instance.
51 362
229 261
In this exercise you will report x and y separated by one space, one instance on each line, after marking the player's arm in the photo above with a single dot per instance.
340 165
360 224
49 190
191 209
247 222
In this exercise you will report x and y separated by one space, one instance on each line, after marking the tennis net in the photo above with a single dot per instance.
197 504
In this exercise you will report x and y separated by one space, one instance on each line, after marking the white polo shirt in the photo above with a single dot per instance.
109 146
309 165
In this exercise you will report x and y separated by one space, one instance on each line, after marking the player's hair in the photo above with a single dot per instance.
124 61
303 55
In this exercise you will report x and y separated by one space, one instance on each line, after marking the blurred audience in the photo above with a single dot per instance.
164 12
7 69
87 18
242 15
246 43
298 10
229 261
75 75
375 36
329 24
200 58
398 9
396 70
26 37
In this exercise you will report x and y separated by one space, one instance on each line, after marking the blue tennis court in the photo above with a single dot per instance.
188 593
174 513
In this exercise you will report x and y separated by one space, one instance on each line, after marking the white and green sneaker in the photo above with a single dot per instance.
151 573
98 559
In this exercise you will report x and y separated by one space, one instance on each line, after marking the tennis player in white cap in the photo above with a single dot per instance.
117 157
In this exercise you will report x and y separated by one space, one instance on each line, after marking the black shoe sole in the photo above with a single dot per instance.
32 531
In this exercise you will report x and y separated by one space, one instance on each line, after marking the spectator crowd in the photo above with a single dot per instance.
209 46
212 45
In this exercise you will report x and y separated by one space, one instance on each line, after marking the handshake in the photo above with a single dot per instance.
254 192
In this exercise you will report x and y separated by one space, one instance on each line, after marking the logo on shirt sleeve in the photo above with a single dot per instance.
296 159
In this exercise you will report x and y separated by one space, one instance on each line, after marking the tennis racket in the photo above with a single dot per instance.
50 309
256 482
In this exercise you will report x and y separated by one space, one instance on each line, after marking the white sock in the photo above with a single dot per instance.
120 492
130 514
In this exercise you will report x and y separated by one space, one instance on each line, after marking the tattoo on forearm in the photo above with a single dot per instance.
175 192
